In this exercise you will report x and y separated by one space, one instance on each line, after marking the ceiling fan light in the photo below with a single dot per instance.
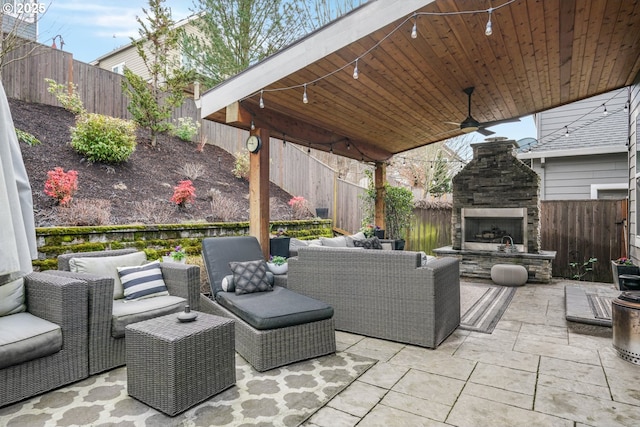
469 129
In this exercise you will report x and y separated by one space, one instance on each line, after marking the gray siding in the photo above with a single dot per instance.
571 178
634 196
25 29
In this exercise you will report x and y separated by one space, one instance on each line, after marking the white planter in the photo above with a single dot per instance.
169 259
278 269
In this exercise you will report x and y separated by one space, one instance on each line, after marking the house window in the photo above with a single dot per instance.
118 69
609 191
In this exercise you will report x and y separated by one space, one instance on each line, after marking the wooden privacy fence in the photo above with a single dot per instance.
581 229
430 229
100 90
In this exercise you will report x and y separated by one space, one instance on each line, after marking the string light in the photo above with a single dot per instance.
488 30
414 30
414 34
284 140
348 146
605 112
566 131
626 106
331 149
261 100
309 149
253 125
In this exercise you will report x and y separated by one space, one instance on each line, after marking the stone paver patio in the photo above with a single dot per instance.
535 369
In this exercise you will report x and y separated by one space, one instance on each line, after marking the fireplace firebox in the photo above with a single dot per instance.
490 229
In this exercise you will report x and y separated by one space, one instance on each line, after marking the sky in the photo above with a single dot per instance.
92 28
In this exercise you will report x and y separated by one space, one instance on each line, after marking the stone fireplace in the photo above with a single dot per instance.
496 213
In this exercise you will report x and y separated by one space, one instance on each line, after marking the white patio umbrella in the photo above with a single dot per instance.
17 227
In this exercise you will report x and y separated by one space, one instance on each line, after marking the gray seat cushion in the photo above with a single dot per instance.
25 337
272 310
126 312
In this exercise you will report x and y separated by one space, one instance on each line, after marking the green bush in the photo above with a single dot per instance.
67 96
241 165
185 128
104 139
26 137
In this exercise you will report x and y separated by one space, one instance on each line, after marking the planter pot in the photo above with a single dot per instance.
618 269
399 244
379 234
322 213
278 269
279 246
169 259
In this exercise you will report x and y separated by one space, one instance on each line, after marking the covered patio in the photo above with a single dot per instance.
395 75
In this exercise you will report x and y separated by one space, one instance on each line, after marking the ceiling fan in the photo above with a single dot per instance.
472 125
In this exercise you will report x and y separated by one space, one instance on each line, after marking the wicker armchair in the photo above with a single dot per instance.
268 348
63 302
107 351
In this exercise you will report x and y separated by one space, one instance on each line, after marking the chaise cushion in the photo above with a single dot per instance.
278 309
126 312
142 281
25 337
108 267
12 297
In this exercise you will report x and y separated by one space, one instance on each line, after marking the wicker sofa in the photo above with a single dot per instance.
382 293
106 343
44 347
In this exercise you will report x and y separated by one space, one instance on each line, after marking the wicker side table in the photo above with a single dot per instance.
172 366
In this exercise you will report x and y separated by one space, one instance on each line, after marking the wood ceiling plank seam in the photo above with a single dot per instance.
609 55
631 39
593 15
616 41
541 50
579 84
566 19
552 48
598 29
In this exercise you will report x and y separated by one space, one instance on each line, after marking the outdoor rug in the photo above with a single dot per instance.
589 303
284 396
482 305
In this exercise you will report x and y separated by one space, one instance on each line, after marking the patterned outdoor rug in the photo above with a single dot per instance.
589 303
482 305
600 306
284 396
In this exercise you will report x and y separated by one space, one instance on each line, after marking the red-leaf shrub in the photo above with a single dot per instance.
184 193
61 185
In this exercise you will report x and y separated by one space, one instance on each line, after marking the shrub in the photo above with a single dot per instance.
26 137
185 128
192 171
69 101
61 185
241 165
300 207
85 212
152 211
104 139
223 208
184 193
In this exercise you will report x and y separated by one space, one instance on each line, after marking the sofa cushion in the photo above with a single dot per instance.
250 276
372 243
425 259
108 267
12 297
334 242
24 337
278 309
126 312
294 244
142 281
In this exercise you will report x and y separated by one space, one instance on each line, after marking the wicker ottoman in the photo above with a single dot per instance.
172 366
509 274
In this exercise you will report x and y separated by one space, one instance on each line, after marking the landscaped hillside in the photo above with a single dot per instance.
139 190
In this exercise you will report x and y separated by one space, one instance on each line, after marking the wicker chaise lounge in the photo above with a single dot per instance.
106 345
285 327
44 347
382 293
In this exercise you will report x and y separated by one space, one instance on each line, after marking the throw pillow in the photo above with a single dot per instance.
144 281
250 276
372 243
12 297
358 236
228 285
424 258
107 267
334 242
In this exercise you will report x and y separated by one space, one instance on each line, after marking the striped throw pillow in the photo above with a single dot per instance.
144 281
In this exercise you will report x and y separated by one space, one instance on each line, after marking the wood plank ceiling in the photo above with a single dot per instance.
542 54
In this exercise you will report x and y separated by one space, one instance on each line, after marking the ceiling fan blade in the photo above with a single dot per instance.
485 132
452 123
499 122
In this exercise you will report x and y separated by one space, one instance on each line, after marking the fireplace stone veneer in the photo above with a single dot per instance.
501 196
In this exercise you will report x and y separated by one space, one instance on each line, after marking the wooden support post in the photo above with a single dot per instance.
380 178
259 192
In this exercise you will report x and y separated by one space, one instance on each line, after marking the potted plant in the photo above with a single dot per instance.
398 213
178 255
278 264
622 266
279 243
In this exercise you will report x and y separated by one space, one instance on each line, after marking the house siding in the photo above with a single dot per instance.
25 29
634 145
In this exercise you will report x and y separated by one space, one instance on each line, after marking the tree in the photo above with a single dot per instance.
152 102
440 182
15 25
321 12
